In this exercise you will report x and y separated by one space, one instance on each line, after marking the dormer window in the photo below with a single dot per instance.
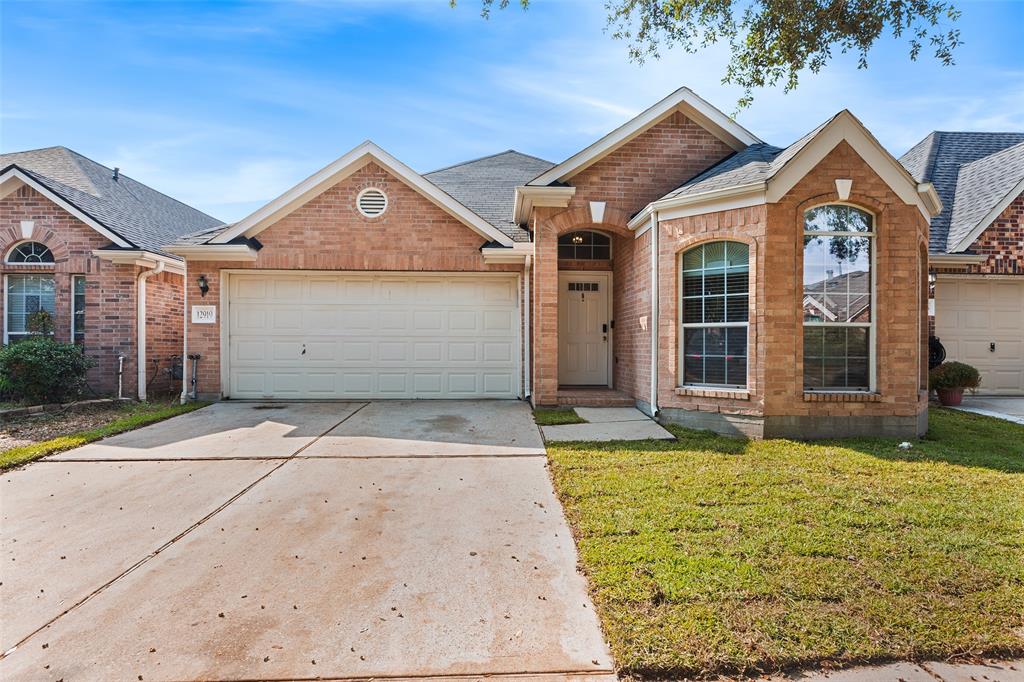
584 245
30 252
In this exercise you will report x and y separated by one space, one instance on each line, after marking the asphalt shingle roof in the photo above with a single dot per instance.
487 186
756 163
139 214
943 158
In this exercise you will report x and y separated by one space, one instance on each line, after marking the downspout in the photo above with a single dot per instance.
140 323
654 313
184 336
527 328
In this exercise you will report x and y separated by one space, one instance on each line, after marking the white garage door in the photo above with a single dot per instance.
981 322
350 335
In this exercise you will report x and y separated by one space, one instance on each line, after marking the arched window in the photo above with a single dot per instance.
713 314
838 295
30 252
584 245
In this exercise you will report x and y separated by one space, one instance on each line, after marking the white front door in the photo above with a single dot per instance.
584 326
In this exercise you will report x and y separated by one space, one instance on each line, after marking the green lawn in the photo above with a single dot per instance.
717 555
126 418
556 416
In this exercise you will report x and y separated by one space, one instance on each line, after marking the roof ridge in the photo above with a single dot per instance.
482 158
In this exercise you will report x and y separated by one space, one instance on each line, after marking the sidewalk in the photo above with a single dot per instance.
932 671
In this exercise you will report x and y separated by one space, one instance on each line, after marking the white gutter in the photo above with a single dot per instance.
754 191
527 328
654 313
140 323
957 258
140 258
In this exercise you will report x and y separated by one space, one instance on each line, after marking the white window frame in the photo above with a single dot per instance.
30 264
7 307
683 326
75 278
871 326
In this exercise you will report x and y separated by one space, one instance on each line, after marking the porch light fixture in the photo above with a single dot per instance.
204 285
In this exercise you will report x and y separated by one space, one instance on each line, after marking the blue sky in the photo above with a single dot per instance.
226 105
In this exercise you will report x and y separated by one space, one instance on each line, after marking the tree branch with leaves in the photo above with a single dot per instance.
774 41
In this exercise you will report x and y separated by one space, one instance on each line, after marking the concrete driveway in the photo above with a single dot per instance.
296 541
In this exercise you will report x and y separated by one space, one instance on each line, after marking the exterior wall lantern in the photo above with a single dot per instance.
204 285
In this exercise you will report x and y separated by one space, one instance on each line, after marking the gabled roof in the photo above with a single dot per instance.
683 100
129 213
762 173
989 169
487 186
342 168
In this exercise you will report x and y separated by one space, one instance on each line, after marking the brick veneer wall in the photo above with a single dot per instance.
640 171
775 365
109 289
329 233
164 325
1002 242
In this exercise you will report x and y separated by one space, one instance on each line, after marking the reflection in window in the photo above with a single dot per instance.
837 298
584 245
30 252
27 295
714 307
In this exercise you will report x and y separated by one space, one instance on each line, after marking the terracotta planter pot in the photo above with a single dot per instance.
950 397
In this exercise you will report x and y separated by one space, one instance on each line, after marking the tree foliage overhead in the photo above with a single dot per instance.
772 41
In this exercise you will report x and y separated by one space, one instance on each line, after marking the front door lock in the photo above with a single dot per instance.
992 347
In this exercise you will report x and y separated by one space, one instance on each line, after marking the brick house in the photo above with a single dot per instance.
84 243
977 250
679 243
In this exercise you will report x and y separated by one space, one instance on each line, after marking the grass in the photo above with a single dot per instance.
135 416
557 416
716 555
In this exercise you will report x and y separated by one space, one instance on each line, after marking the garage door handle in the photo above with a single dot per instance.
992 347
303 349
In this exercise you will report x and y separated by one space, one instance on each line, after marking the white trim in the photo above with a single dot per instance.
141 258
989 218
742 196
517 253
27 227
225 252
843 187
528 198
14 178
957 258
342 168
683 100
526 329
845 127
140 326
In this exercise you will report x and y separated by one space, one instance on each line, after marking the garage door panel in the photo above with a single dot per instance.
970 315
372 336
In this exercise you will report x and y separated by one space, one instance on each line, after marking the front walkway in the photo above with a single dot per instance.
297 541
606 424
1009 408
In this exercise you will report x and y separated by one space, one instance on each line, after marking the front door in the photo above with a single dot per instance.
584 322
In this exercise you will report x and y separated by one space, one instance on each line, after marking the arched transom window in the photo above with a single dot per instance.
584 245
30 252
714 305
838 296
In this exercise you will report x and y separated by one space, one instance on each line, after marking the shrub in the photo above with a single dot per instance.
953 375
40 370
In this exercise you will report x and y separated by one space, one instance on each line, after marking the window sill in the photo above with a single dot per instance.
841 397
707 392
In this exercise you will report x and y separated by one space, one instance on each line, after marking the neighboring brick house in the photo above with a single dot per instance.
81 241
679 242
977 250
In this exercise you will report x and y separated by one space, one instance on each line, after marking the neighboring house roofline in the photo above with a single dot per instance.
342 168
789 166
13 177
484 158
683 100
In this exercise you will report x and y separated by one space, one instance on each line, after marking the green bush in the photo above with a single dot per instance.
40 370
953 375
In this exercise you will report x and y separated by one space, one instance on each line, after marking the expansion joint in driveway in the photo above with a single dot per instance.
141 562
607 675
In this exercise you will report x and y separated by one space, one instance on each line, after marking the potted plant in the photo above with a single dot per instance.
950 379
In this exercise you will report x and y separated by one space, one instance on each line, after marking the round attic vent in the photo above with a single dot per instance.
372 202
